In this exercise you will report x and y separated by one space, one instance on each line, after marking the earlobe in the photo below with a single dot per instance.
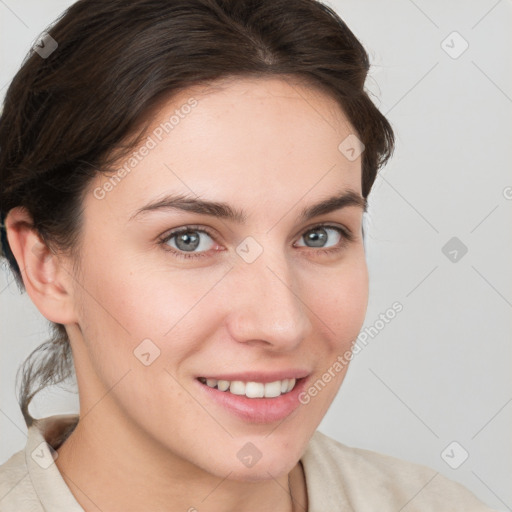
43 274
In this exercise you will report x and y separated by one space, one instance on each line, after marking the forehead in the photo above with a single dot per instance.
288 93
269 137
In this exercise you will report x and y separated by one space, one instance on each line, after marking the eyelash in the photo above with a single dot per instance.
346 235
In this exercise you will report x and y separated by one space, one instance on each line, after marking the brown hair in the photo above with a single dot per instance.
65 113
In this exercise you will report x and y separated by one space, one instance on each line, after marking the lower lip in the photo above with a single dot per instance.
257 410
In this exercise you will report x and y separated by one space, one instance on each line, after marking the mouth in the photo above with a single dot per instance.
254 401
252 389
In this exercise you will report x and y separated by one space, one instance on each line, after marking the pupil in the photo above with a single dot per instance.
190 241
317 236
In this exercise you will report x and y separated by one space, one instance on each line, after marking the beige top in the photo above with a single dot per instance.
338 478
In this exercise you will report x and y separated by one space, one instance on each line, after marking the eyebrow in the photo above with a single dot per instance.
225 211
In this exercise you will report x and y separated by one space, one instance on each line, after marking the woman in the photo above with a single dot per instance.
183 188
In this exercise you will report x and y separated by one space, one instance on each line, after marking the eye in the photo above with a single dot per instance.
187 240
318 236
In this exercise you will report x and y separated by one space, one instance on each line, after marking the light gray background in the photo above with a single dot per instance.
440 371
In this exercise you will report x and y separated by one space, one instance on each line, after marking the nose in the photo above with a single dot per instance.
267 306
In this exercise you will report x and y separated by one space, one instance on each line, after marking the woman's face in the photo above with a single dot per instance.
260 296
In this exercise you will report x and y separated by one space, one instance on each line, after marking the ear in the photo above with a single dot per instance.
45 276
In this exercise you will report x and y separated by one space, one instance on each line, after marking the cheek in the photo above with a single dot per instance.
144 299
174 308
127 313
339 298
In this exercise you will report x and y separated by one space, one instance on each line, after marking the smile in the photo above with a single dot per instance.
251 389
256 396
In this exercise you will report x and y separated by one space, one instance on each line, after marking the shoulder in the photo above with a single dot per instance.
29 480
367 480
17 493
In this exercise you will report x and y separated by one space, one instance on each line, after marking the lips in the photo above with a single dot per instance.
255 409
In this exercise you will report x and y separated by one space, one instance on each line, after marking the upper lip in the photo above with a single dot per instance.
263 377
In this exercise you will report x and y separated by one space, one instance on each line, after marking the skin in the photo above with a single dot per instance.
261 145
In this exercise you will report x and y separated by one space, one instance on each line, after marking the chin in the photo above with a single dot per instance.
260 471
271 458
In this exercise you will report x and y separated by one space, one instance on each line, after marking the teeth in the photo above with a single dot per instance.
222 385
252 389
273 389
237 387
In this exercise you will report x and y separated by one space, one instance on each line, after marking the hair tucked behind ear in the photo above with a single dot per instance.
70 114
49 364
